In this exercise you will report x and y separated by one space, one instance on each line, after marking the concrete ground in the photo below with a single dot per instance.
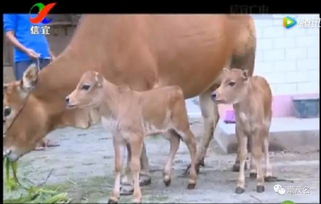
83 166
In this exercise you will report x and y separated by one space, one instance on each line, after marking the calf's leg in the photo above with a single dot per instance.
253 167
174 144
136 146
258 156
268 167
243 139
144 176
118 167
189 139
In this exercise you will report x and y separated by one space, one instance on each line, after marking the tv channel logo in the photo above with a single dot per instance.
289 22
43 11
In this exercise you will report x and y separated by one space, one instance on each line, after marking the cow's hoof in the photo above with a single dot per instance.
167 182
270 178
112 201
191 185
145 180
239 190
259 189
236 167
253 175
126 190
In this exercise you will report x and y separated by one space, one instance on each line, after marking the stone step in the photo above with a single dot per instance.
289 133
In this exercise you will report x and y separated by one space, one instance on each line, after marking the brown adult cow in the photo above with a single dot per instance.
141 51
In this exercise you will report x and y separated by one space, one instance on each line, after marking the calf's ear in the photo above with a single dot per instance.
30 78
245 74
99 79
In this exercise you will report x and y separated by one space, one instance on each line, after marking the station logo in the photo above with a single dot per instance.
289 22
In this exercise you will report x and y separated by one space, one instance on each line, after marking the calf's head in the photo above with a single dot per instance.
88 92
23 116
233 86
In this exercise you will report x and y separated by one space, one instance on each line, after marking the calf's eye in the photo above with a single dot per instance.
85 87
7 111
232 83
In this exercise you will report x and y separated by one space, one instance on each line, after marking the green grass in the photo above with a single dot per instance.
21 193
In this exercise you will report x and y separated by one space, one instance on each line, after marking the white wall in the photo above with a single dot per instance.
288 58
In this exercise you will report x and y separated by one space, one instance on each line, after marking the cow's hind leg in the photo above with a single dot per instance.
174 144
210 115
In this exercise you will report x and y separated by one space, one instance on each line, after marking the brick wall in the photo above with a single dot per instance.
288 58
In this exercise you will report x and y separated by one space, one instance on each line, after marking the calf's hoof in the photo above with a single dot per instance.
239 190
191 186
259 189
167 182
126 190
253 175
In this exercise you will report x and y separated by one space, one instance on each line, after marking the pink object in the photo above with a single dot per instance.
282 106
229 116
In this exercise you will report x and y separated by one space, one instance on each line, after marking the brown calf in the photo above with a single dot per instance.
131 115
252 101
14 92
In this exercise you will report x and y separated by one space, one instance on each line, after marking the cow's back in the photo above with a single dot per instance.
144 50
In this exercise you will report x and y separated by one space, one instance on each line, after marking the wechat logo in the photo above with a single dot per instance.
279 189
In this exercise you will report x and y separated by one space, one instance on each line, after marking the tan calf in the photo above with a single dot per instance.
131 115
252 101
